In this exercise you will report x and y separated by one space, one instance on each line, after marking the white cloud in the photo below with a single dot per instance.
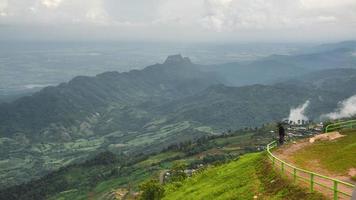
221 17
217 15
326 19
327 4
51 3
3 7
34 12
346 108
298 113
232 15
182 12
3 4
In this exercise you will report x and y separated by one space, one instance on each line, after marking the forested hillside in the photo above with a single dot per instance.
100 176
146 111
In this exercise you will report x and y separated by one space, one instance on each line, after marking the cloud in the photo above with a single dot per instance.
298 113
217 15
51 3
232 15
223 18
3 4
52 12
327 4
326 19
346 108
3 7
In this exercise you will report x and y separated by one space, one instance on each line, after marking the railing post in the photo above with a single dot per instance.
294 175
335 190
311 182
273 160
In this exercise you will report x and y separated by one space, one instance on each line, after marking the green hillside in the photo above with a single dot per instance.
102 175
250 176
337 157
145 111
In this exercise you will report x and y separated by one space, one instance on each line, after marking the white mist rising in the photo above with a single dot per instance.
346 108
298 113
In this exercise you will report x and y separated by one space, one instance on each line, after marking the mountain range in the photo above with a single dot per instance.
277 67
144 111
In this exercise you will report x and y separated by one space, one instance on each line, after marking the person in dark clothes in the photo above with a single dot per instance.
281 133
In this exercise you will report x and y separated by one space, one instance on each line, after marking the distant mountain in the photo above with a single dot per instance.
331 46
144 111
63 124
283 67
262 71
332 80
71 103
226 107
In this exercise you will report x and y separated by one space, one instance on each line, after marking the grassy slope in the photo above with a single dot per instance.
143 170
83 183
336 156
242 179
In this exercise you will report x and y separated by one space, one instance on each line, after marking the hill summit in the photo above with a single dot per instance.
177 59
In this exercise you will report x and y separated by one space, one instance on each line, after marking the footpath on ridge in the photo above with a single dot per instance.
325 163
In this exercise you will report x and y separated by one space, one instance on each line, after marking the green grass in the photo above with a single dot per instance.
243 179
159 157
88 182
337 156
239 139
70 194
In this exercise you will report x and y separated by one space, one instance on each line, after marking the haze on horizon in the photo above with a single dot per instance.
179 20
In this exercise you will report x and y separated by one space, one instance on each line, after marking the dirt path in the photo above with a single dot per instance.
161 176
286 152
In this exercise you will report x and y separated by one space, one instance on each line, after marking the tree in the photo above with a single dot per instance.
151 190
177 172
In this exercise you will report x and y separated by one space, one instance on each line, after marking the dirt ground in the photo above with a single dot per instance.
286 152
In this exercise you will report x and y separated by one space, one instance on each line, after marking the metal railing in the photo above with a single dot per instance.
340 125
338 189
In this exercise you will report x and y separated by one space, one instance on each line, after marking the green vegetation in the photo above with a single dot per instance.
245 178
337 156
144 112
151 190
101 176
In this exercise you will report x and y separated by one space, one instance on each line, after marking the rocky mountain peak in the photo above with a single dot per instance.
177 59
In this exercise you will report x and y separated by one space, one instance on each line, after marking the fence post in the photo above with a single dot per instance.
295 175
311 182
335 190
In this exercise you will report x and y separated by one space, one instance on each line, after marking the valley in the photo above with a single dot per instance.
146 111
177 99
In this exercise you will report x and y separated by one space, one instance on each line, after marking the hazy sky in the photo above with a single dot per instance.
179 20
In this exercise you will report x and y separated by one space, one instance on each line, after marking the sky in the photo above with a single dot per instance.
179 20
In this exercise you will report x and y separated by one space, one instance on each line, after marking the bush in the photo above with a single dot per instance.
177 172
151 190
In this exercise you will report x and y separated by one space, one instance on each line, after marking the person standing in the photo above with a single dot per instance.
281 133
